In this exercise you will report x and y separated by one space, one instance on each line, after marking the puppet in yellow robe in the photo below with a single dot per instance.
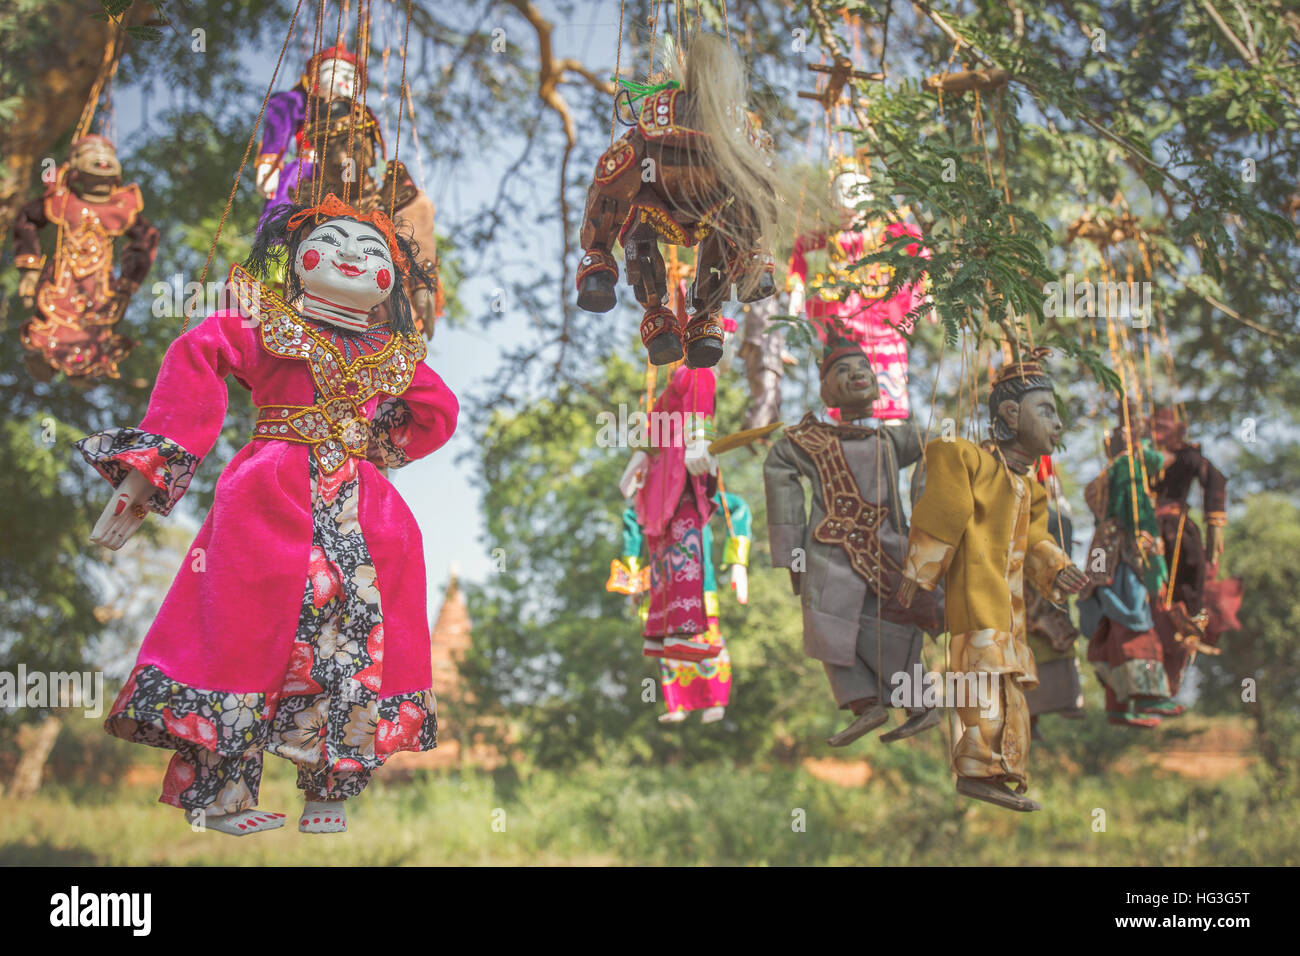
981 527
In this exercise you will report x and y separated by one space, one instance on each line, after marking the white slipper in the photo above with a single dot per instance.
323 816
236 824
672 717
712 715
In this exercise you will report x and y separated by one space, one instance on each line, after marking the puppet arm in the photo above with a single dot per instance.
414 424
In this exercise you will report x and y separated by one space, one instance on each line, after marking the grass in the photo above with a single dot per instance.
711 813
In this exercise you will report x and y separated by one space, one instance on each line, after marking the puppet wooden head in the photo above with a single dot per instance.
1022 408
848 381
94 172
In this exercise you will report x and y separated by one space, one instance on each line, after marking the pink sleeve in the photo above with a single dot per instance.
695 388
798 264
187 410
414 424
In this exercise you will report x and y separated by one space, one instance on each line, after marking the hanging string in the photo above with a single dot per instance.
248 149
397 147
618 69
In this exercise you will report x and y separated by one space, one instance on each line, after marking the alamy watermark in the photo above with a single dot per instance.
54 689
929 689
1087 299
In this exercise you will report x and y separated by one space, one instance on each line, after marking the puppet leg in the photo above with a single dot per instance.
609 199
710 289
649 279
218 792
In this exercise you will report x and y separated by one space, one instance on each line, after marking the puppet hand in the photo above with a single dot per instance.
699 460
1214 542
268 178
796 581
633 475
740 583
27 287
1070 579
906 592
124 512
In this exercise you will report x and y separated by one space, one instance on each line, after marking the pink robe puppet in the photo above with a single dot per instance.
673 506
878 324
297 624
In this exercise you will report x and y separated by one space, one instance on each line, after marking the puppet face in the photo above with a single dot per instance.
850 382
849 189
1035 422
94 167
347 264
336 77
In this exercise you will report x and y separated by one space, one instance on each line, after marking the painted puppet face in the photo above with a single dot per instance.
346 263
850 382
338 77
1036 424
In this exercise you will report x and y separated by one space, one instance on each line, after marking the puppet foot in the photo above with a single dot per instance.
756 282
672 717
237 824
912 726
323 816
704 341
596 275
663 345
1160 707
864 723
995 793
683 649
1130 718
712 715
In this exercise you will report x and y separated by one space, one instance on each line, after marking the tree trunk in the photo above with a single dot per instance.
35 744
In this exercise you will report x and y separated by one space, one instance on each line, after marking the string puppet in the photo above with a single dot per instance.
826 281
846 556
298 627
696 171
1122 606
674 487
703 685
1202 606
980 527
77 300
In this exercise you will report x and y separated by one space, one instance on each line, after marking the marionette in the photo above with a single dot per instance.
77 300
846 556
673 486
980 526
1122 606
287 152
703 685
298 624
1202 607
692 173
1050 630
825 282
349 144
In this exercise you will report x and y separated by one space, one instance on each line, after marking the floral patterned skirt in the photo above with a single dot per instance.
328 717
676 602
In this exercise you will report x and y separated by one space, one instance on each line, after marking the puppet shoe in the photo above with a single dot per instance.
912 726
1159 707
995 793
651 648
684 649
1129 718
672 717
864 723
712 715
596 275
237 824
323 816
704 341
663 345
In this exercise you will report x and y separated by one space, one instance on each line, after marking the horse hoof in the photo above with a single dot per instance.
664 349
597 293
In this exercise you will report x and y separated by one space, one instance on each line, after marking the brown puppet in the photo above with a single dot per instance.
1201 607
981 527
78 302
694 171
846 558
